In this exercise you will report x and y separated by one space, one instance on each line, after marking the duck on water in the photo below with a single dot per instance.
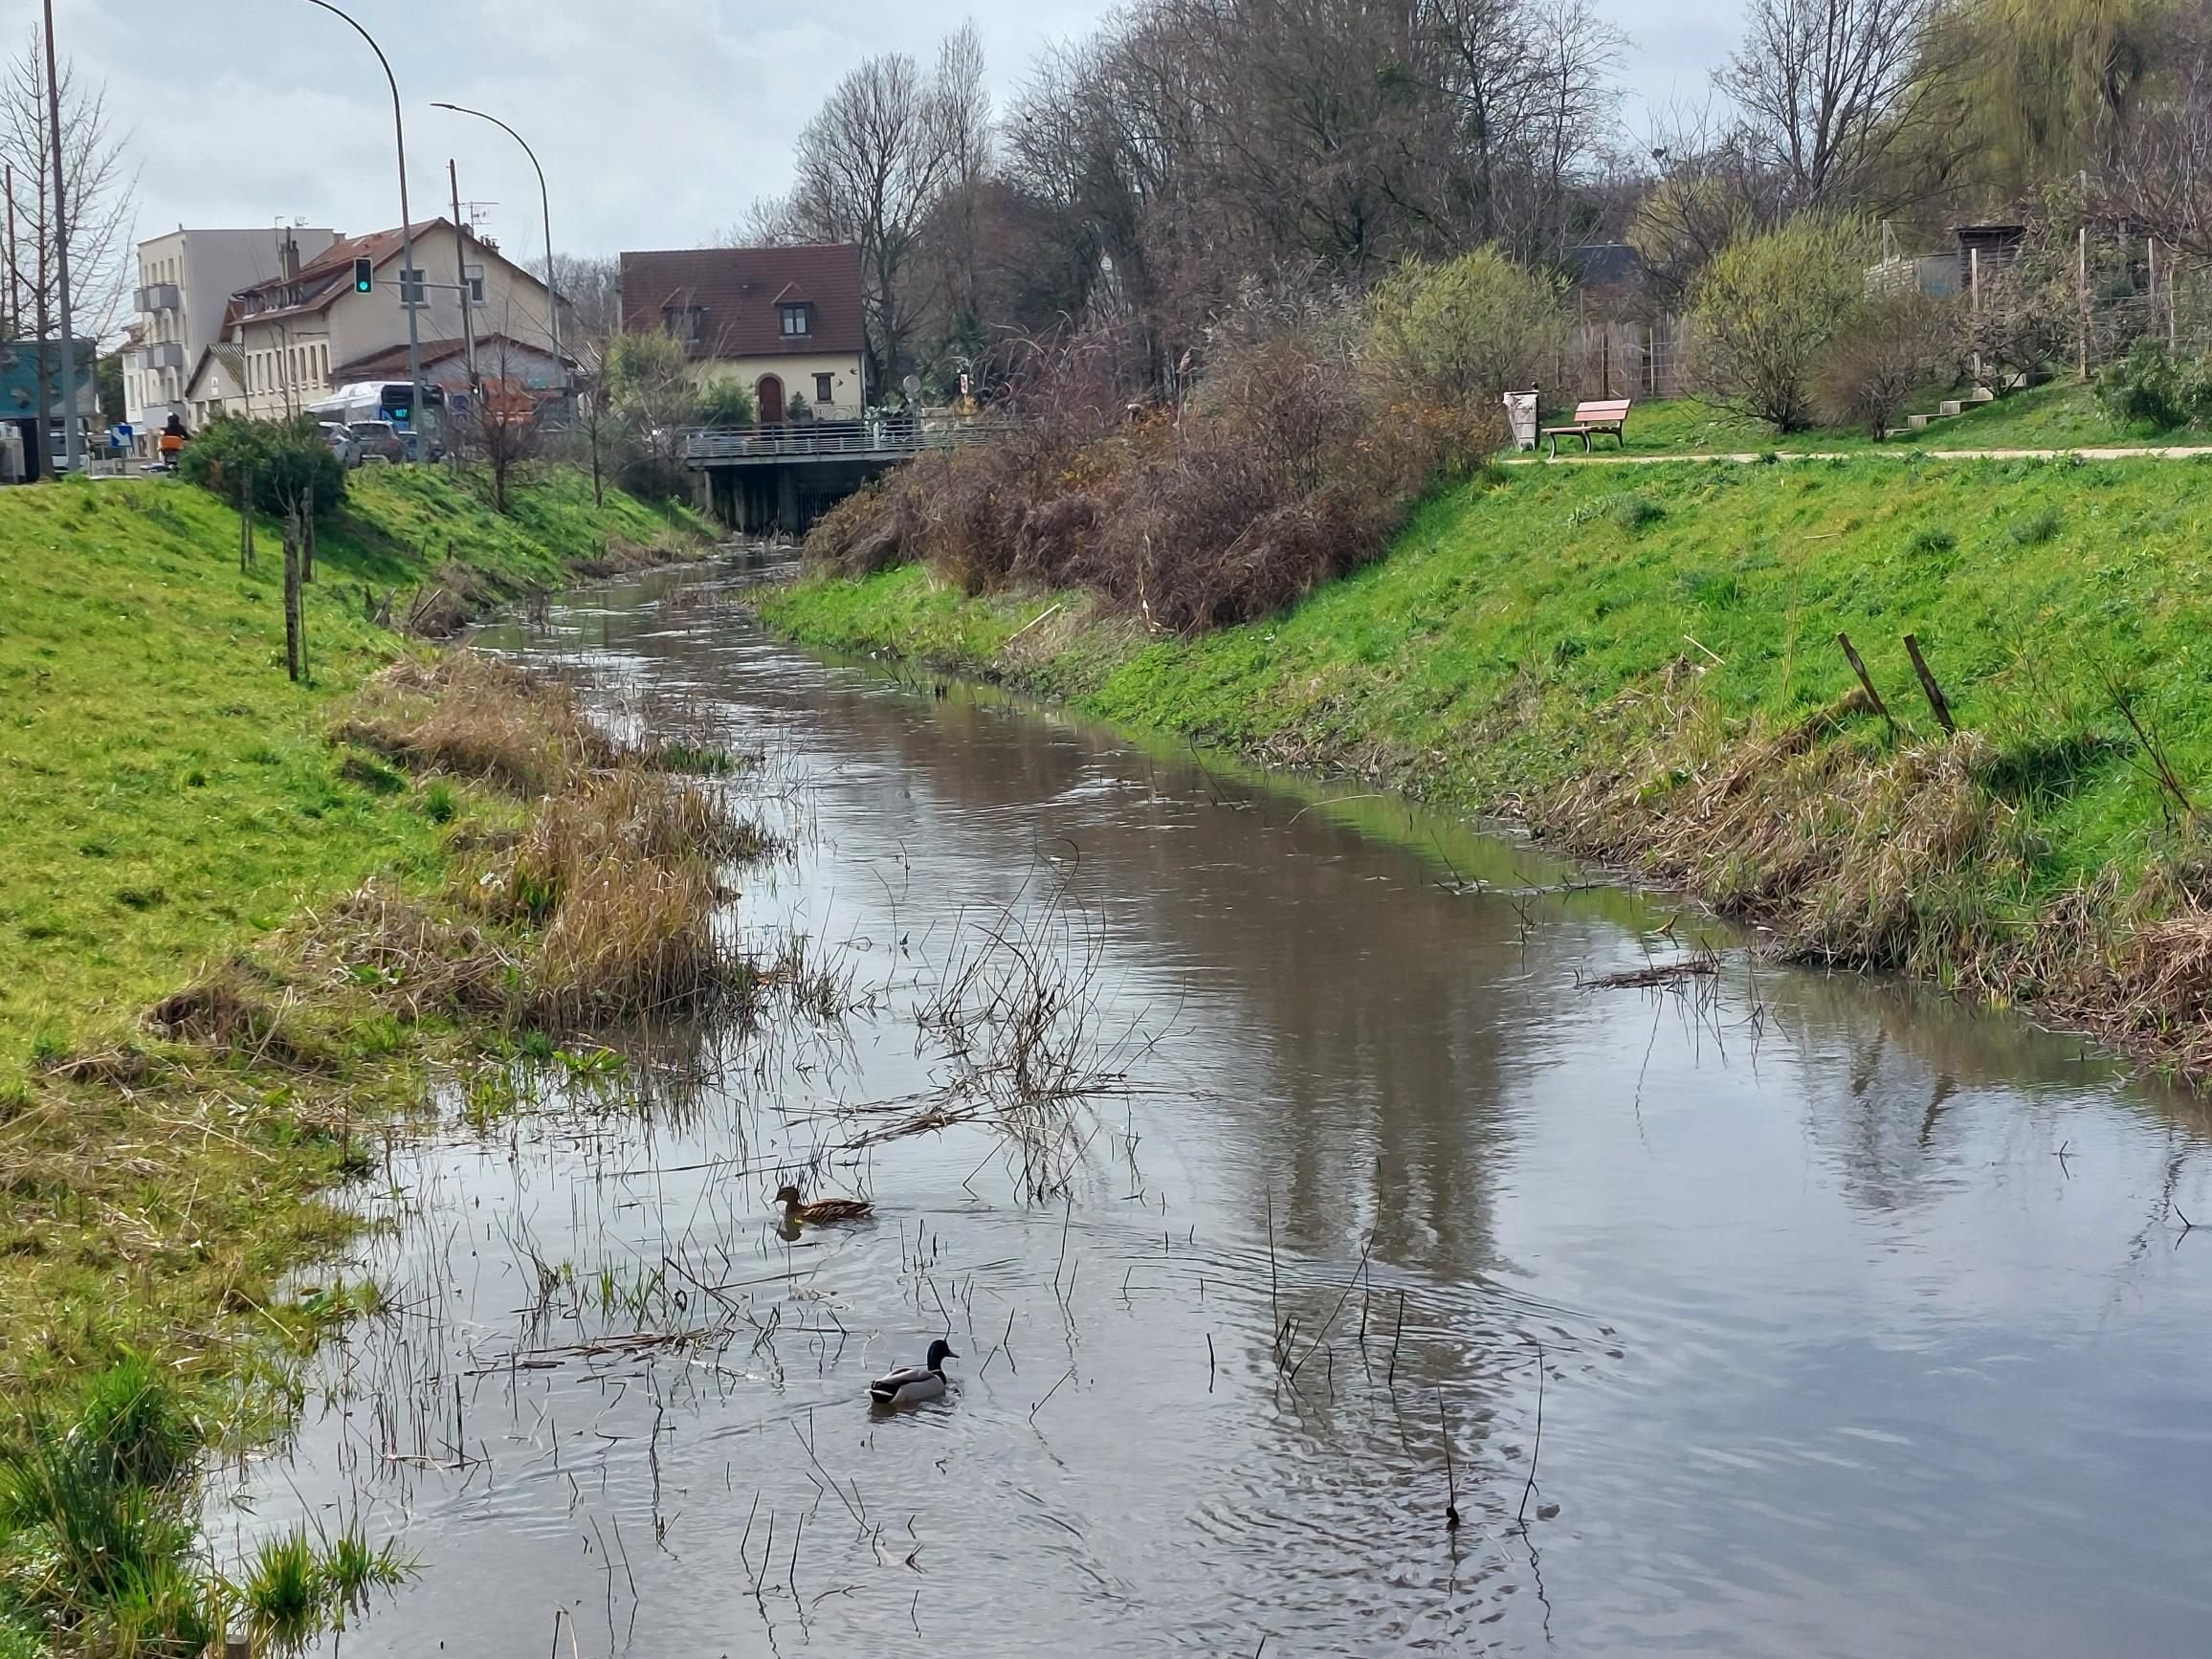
914 1384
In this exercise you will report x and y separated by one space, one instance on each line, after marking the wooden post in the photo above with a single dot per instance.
1936 697
307 537
293 656
1865 679
246 524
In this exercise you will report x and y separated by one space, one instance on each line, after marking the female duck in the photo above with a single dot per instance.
913 1383
823 1211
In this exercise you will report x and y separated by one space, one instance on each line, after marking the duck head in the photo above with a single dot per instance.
787 1195
939 1351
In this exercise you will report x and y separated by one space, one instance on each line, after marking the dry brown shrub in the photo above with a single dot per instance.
1288 468
632 939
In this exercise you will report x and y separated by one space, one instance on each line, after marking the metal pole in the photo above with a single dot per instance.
414 344
71 438
461 269
545 206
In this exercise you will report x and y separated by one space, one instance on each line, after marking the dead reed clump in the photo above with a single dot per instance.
411 960
473 717
632 938
225 1010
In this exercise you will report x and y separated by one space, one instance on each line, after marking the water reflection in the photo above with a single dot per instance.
1866 1325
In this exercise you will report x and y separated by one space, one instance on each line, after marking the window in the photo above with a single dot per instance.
412 289
687 322
798 321
476 285
825 388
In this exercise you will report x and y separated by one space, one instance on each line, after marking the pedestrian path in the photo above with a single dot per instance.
1747 457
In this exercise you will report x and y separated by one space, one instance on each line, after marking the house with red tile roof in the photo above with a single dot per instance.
786 323
299 335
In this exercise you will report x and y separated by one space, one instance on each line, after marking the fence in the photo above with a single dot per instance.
1621 356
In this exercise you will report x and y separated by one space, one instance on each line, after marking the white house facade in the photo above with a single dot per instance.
786 323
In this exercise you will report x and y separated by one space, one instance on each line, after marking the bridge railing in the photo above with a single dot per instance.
801 439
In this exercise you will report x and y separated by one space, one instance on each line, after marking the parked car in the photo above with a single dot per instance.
342 441
379 441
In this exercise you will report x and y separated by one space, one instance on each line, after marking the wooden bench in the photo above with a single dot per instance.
1608 415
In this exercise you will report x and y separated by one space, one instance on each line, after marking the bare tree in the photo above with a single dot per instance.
1827 87
590 286
102 202
870 167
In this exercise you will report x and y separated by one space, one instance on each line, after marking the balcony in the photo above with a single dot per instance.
162 354
158 296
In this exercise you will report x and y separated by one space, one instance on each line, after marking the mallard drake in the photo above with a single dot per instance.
913 1383
823 1211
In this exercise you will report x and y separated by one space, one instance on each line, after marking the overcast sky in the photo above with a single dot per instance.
658 121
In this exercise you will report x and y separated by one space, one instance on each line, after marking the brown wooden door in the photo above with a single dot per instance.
770 398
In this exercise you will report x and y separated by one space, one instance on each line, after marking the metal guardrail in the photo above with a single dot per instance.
798 440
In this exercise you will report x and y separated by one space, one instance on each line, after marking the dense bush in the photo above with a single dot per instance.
1895 346
1769 307
724 402
1291 464
1466 329
285 459
2153 387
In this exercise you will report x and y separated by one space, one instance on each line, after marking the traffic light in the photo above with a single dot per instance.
363 275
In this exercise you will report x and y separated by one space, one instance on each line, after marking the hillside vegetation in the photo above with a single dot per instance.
1642 664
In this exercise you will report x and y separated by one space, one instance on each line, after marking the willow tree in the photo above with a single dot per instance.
2047 86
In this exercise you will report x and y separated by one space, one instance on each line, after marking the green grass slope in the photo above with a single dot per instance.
2061 416
165 792
1646 663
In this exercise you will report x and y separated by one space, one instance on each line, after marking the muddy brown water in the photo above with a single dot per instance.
1867 1325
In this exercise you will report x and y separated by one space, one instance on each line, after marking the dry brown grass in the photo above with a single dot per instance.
228 1009
1858 850
604 904
476 718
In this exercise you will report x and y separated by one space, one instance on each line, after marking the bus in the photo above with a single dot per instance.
382 400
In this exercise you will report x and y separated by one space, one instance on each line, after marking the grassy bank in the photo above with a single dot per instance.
1644 667
164 792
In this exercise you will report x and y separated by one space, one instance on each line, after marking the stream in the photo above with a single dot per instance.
1757 1312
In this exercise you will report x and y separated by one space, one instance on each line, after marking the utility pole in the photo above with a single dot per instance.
72 439
545 207
461 271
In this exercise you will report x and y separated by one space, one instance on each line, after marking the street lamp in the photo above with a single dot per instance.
415 345
545 206
72 439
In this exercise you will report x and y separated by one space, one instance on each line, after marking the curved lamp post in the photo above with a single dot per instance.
415 345
545 207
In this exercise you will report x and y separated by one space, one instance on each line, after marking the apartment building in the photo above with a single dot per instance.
186 280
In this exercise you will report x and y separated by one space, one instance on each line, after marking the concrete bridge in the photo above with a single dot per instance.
765 478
